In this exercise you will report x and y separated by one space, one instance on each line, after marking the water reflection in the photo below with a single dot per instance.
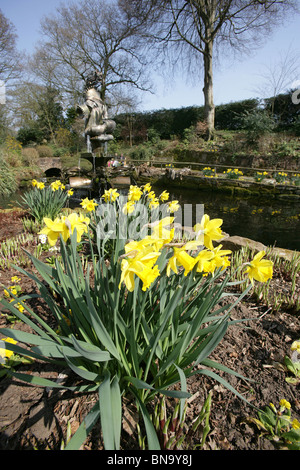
270 221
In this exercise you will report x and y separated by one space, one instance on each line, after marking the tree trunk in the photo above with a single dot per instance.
209 107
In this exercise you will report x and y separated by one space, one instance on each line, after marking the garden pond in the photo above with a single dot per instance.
271 221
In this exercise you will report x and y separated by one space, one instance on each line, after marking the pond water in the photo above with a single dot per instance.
270 221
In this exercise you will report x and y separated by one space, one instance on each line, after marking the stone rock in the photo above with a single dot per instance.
235 243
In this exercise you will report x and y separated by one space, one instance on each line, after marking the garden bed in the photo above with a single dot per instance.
35 418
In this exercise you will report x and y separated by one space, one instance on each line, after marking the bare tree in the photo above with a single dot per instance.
93 35
9 57
278 76
200 28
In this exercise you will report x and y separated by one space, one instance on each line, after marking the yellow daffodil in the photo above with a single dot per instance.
219 258
202 261
163 229
146 188
70 192
55 186
208 230
65 226
134 193
151 195
4 352
136 246
34 183
141 265
40 185
173 206
182 258
153 203
164 196
259 269
128 208
88 204
110 195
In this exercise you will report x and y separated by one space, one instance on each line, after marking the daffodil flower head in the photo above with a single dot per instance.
110 195
154 203
146 188
140 262
88 204
55 186
134 193
259 269
129 207
173 206
164 196
182 258
208 230
65 226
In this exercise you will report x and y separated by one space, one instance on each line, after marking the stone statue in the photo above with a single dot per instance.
97 124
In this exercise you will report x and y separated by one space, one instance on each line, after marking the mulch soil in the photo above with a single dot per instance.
37 418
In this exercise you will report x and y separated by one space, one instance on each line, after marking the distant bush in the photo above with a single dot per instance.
63 137
29 135
256 124
30 155
44 151
60 151
141 152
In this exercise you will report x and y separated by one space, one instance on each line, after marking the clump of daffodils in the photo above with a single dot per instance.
199 255
140 257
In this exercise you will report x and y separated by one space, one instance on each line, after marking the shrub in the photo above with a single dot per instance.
12 144
29 135
256 124
30 156
44 151
44 202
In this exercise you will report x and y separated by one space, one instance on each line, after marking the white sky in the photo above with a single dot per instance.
233 81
